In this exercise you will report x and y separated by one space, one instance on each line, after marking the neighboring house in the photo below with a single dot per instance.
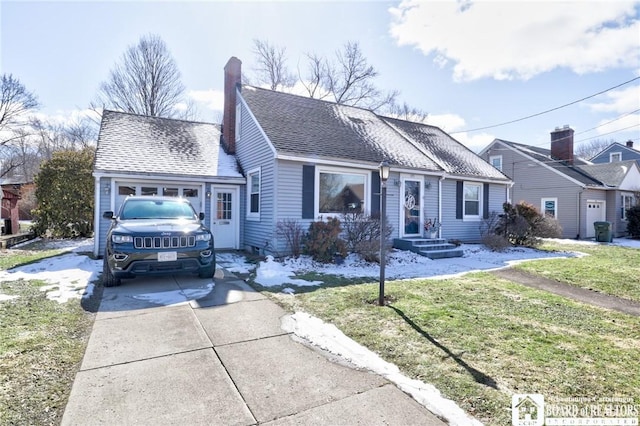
570 189
307 159
140 155
289 157
617 152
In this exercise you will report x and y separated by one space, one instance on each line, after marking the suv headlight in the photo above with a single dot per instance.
118 239
203 237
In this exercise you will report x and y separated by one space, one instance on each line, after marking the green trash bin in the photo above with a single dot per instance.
603 232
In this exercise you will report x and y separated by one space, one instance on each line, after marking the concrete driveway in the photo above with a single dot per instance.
178 349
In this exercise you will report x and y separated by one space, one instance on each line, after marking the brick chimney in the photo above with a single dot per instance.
562 144
630 144
232 80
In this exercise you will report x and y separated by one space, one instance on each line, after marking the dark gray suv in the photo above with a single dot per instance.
157 235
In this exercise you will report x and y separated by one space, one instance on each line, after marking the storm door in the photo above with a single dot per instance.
411 217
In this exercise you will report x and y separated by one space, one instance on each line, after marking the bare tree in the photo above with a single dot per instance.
271 65
590 149
347 79
350 80
408 113
146 81
314 81
16 102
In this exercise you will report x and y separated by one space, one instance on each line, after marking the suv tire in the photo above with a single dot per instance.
207 272
108 279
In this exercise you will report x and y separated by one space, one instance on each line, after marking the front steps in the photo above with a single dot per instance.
433 248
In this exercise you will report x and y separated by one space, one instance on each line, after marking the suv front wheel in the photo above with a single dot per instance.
108 279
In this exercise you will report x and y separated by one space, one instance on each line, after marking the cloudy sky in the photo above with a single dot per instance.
469 64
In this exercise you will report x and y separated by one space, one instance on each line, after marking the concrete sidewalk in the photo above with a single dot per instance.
220 357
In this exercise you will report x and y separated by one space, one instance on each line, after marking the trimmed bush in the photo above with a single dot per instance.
633 224
323 241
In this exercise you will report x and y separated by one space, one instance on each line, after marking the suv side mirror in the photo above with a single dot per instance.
107 215
201 216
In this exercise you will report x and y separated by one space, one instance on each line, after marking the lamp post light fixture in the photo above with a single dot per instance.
383 169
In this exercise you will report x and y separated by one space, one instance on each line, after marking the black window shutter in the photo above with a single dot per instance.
459 192
375 193
308 187
485 201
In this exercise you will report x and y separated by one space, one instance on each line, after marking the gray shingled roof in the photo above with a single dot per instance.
544 156
130 143
453 156
611 174
312 128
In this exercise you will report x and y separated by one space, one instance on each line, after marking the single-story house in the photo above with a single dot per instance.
617 152
568 188
287 157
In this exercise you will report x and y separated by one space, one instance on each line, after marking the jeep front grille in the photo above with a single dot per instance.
164 242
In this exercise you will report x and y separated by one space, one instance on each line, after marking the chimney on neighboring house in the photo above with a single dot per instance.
630 144
232 80
562 144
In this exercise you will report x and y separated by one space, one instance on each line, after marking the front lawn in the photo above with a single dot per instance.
608 269
480 339
41 346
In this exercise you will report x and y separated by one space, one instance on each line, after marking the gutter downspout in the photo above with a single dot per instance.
440 204
96 216
578 216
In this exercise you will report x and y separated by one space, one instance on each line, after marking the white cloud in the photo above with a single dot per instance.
619 101
447 122
211 99
453 122
518 40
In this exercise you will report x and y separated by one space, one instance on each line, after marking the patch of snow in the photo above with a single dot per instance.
233 262
272 273
330 338
67 276
400 265
4 297
176 297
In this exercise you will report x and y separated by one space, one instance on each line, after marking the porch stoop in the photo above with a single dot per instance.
433 248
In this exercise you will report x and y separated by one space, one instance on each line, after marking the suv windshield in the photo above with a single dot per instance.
156 209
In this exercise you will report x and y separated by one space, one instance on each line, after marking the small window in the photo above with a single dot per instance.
549 207
471 201
170 192
190 192
148 190
253 207
615 157
496 161
238 121
626 204
126 190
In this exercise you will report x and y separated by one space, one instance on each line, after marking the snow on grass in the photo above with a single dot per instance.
400 265
233 262
69 276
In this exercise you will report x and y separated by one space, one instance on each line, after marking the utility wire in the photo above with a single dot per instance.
547 111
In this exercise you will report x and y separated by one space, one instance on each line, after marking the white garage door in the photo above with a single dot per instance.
595 213
190 192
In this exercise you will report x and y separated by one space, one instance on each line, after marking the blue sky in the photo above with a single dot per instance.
468 64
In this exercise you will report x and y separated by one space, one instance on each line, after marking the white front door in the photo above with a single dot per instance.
224 217
595 213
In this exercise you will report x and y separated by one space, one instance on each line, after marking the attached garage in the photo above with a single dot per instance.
140 155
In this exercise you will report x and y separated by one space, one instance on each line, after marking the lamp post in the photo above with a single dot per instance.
383 169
